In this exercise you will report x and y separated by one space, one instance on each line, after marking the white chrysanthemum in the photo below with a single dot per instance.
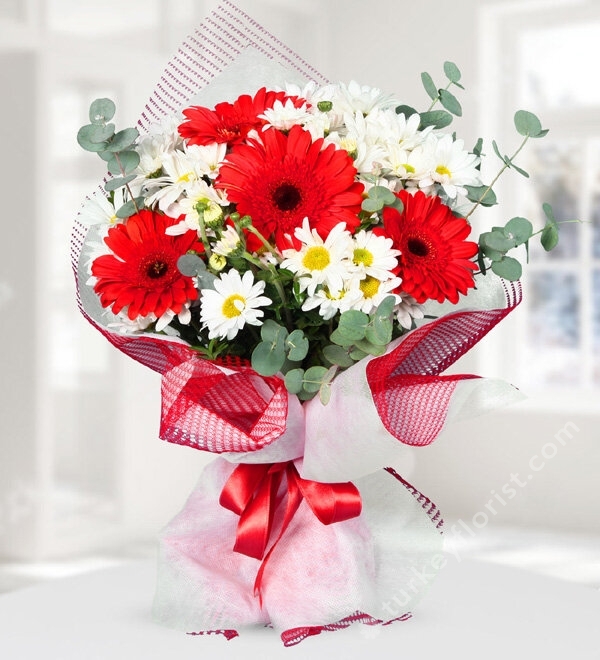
390 128
363 99
320 262
227 243
233 302
207 158
199 198
284 115
373 255
366 152
453 167
374 291
410 166
181 170
329 305
124 325
407 310
98 210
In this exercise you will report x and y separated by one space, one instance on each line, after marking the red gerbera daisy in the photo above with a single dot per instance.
230 122
141 273
435 261
283 179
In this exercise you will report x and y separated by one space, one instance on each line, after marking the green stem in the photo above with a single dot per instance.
270 248
435 100
203 235
137 210
502 169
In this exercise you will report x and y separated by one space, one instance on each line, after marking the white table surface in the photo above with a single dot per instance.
474 611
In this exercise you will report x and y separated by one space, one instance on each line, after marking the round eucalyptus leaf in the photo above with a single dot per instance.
527 123
267 358
102 110
507 268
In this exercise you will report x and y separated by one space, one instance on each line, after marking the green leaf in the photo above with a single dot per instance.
452 72
206 279
406 110
190 265
371 205
101 133
313 378
542 134
297 346
337 355
129 161
478 148
549 212
527 123
84 135
270 330
341 340
123 139
549 236
379 332
119 182
429 86
357 354
369 348
507 268
504 159
325 393
382 194
497 240
294 380
353 324
481 261
521 171
102 110
481 194
268 358
435 118
491 254
129 208
519 229
450 102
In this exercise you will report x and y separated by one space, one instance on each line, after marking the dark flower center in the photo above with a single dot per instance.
157 269
418 247
286 197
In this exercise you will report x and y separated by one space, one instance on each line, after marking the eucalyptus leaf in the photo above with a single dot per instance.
357 354
520 170
123 139
379 331
341 340
478 148
128 160
313 378
118 182
549 236
84 141
129 208
294 380
406 110
371 205
548 211
507 268
337 355
483 195
429 86
190 265
450 102
297 346
435 118
497 240
520 229
268 358
527 123
325 393
206 279
102 110
271 331
452 72
353 324
481 261
370 349
100 132
504 159
382 194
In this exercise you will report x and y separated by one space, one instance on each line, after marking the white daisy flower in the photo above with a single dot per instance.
409 166
98 210
453 167
284 115
373 255
199 198
390 128
374 291
233 302
320 262
228 243
364 99
407 310
329 305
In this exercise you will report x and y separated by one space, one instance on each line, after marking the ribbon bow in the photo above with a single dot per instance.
251 493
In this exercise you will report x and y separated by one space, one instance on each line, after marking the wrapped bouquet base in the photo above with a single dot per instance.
372 568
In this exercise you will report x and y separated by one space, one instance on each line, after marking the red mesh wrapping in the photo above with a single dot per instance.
411 398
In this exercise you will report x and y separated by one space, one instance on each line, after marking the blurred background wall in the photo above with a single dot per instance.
81 467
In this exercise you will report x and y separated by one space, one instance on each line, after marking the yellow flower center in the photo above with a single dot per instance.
442 170
316 258
233 305
369 286
186 178
409 169
330 295
362 256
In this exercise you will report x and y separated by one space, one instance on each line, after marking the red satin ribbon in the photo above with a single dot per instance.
251 493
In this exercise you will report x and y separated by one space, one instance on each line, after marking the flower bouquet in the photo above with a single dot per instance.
295 257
